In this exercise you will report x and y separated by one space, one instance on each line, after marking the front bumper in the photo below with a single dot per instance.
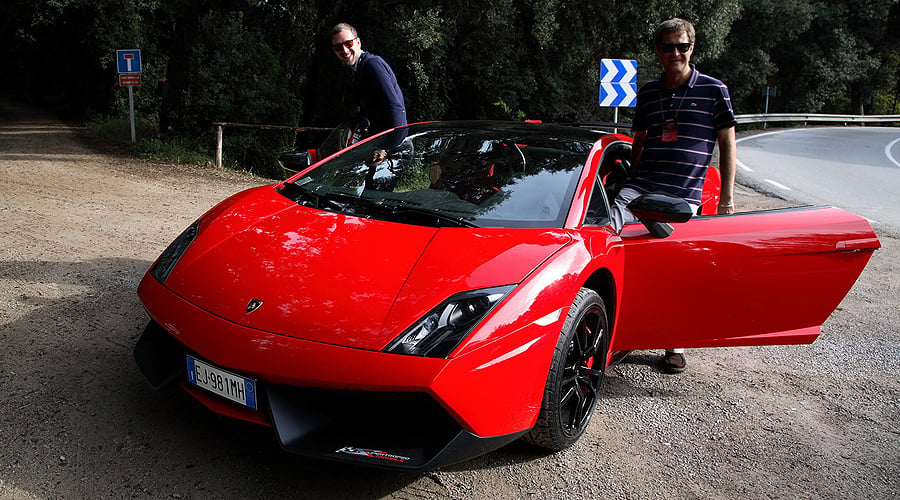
405 430
354 405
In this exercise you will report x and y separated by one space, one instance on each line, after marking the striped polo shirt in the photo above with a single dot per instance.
700 107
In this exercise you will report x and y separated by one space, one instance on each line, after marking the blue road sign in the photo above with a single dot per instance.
618 82
128 61
618 95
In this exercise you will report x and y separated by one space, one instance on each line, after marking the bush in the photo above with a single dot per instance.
175 150
236 78
118 130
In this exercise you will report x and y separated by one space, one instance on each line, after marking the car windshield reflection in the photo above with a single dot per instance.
454 174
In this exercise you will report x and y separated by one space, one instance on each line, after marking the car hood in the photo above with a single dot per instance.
340 279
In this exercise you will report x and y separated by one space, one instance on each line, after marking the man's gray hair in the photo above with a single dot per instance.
674 25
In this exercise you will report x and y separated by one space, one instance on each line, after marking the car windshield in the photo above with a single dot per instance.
473 174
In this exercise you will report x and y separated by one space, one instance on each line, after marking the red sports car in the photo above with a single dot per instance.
440 290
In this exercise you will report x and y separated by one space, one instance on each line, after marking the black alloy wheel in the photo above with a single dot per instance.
576 374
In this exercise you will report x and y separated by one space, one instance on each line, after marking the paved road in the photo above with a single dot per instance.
855 168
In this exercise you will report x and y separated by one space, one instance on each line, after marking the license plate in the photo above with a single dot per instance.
224 383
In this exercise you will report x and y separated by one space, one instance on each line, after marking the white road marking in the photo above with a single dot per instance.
887 152
757 136
778 185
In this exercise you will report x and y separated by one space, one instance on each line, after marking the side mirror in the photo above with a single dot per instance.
657 210
296 161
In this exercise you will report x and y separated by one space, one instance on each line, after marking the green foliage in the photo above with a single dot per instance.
180 150
118 130
823 55
236 78
420 53
509 113
886 99
270 61
750 65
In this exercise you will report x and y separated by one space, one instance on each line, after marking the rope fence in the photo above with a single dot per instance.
220 128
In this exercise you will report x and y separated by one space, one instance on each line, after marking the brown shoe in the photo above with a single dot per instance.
674 362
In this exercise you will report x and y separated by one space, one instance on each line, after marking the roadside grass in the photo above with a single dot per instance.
176 150
118 130
149 144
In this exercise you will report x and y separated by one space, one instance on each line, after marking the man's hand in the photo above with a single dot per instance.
376 157
727 166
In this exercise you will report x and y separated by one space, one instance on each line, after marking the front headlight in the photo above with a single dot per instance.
445 326
166 262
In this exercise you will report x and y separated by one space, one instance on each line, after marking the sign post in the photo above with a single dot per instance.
128 62
769 92
618 84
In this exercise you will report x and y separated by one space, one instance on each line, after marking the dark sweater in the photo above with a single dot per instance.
380 98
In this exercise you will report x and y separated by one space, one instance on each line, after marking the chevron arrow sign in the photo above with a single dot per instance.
618 95
618 70
618 82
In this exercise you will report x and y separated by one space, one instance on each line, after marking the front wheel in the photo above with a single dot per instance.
576 374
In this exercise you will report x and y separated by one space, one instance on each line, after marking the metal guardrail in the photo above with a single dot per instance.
741 119
777 117
815 117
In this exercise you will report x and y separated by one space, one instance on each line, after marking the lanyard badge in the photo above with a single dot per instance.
670 130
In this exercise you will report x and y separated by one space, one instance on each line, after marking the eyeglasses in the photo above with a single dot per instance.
670 47
347 44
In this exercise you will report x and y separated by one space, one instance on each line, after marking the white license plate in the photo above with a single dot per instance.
224 383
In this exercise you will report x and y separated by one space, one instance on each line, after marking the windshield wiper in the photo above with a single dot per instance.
401 206
341 202
307 197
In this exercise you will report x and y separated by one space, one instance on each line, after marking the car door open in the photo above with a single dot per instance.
758 278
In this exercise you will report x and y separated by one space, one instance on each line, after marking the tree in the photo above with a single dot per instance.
748 64
257 61
64 50
823 55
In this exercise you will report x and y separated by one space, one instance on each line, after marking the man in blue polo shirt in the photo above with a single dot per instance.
679 119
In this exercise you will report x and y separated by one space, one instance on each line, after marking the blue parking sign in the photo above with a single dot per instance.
128 61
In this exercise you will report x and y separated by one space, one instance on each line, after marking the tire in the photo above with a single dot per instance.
576 375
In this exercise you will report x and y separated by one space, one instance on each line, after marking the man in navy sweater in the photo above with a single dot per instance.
380 98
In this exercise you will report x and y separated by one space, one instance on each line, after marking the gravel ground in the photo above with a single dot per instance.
80 226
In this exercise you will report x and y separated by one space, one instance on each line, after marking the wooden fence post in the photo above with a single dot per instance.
220 126
219 146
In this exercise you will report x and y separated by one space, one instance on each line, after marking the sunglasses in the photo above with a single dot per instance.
348 44
670 47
